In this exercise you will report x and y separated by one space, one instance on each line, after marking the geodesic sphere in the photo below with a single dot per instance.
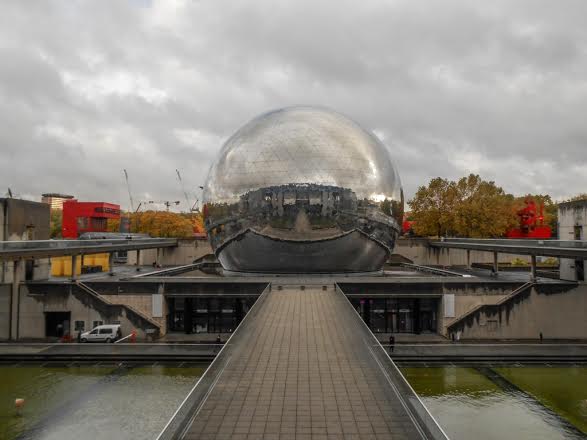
301 182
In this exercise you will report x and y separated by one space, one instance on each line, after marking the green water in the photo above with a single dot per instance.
470 406
91 402
562 389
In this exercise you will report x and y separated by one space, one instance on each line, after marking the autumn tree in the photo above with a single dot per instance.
482 209
56 220
157 224
470 207
432 208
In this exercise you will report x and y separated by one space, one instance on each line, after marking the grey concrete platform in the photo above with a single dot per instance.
303 371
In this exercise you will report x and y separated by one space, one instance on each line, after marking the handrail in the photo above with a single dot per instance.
424 421
435 270
183 417
106 301
478 308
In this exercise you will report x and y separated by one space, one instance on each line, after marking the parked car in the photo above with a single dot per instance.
102 333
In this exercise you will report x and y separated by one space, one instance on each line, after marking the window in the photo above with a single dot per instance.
99 223
82 223
97 323
80 326
94 332
106 331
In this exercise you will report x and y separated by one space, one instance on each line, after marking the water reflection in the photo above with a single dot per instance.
91 402
468 405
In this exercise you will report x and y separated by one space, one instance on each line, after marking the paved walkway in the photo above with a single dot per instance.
301 372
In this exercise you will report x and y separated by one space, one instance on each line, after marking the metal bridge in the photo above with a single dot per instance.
545 248
31 249
302 365
574 249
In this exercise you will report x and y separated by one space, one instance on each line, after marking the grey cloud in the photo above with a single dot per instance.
90 88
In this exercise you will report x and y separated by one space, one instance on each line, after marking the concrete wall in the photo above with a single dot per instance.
556 311
466 300
419 251
186 252
142 303
570 215
5 291
34 304
24 220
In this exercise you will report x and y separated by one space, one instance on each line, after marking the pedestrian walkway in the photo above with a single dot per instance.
302 370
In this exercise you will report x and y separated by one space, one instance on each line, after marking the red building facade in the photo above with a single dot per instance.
81 217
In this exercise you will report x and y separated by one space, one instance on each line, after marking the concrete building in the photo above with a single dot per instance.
20 220
24 220
55 200
572 223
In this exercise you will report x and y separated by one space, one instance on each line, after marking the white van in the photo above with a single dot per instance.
102 333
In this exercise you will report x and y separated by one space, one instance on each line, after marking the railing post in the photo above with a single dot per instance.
14 300
74 267
111 263
138 258
533 268
469 259
495 264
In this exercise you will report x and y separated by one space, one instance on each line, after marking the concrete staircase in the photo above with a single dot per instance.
136 317
472 317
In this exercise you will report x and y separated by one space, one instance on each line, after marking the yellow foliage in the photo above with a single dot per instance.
158 224
470 207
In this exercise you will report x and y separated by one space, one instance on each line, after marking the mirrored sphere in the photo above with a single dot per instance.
303 190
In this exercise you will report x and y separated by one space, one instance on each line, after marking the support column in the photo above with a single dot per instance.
533 268
74 267
495 265
469 259
138 257
111 263
15 300
158 257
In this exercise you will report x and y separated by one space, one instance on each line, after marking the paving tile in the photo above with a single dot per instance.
300 372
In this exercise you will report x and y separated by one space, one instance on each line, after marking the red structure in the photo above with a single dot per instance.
407 227
80 217
531 222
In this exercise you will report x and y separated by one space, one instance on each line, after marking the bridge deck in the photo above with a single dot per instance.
303 371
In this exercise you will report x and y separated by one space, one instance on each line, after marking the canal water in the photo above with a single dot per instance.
91 402
110 402
522 402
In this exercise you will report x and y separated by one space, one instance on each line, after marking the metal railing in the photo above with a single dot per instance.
421 417
434 270
68 244
183 417
96 352
578 244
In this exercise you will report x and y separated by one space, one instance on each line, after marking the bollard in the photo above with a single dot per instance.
19 405
133 335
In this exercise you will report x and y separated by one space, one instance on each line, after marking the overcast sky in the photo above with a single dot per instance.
87 89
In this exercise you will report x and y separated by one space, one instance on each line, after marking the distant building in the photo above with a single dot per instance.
55 200
572 223
83 217
24 220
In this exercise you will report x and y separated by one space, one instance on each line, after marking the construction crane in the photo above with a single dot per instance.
189 206
167 203
132 208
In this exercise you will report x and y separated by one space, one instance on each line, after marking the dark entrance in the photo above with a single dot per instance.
580 270
57 324
206 314
29 270
398 315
